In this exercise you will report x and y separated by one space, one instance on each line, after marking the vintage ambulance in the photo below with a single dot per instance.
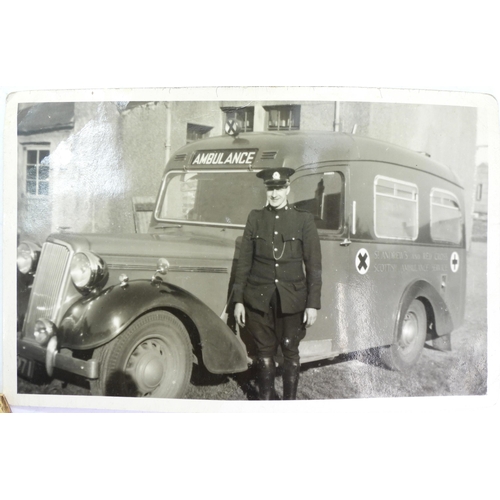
132 313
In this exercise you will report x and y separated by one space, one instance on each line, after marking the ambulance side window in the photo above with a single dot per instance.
396 209
323 196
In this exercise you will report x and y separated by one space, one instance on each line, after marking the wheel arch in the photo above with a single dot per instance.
94 321
191 328
151 358
439 320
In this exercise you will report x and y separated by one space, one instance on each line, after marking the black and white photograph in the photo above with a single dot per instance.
249 246
147 349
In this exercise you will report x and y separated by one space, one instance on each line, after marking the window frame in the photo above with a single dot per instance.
163 192
204 129
249 111
454 198
416 201
342 176
36 147
292 110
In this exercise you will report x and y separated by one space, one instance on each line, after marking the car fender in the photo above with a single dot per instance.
97 319
424 290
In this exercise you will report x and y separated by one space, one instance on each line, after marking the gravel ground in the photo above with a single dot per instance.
463 371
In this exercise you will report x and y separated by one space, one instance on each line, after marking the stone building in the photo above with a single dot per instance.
88 167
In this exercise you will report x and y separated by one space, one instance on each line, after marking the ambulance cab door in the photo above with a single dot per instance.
324 191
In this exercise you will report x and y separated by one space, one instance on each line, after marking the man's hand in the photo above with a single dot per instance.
310 316
239 314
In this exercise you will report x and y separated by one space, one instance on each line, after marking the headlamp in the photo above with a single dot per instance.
27 257
87 271
44 330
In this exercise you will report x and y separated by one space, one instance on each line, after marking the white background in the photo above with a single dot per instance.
367 453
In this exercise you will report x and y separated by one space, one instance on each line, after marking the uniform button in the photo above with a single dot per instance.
277 265
275 232
277 216
293 238
276 281
275 249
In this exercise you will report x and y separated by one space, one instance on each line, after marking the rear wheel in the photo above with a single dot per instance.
411 334
151 358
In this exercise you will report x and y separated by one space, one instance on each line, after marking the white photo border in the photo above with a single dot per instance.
375 95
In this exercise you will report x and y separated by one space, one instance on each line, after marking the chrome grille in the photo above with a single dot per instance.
47 287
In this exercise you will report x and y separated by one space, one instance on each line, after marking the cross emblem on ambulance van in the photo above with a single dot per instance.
362 261
454 262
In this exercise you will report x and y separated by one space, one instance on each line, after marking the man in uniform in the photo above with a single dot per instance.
274 298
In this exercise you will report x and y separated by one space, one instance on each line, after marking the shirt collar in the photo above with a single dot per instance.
272 209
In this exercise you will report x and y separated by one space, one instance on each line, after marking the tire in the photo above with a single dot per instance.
151 358
411 335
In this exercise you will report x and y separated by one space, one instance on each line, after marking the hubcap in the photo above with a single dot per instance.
148 365
409 330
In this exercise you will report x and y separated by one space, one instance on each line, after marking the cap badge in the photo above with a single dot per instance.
276 176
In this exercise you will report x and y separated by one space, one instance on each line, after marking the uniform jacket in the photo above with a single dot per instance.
277 246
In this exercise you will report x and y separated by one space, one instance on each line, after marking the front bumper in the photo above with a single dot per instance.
51 358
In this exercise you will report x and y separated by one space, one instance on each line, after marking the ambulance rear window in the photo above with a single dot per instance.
446 217
211 197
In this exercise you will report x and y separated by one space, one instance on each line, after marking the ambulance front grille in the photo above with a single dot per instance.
47 288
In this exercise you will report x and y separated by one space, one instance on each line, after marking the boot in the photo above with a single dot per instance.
291 371
265 376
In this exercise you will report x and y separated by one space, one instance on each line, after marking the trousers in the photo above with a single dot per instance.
274 328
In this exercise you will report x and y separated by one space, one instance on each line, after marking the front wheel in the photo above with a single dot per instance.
411 334
151 358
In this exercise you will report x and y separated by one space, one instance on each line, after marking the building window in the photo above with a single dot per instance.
196 132
396 209
244 116
446 217
37 170
283 117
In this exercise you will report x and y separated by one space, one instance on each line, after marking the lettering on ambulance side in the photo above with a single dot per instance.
225 157
410 261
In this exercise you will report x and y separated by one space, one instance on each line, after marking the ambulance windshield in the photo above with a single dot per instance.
211 197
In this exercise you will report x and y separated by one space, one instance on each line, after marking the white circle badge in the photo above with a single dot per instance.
362 262
454 262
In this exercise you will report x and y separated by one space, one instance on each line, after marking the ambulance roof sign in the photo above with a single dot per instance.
225 157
